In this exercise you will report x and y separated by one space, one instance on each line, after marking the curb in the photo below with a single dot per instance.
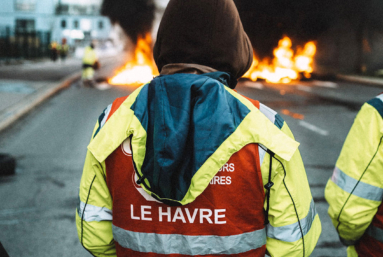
361 79
13 113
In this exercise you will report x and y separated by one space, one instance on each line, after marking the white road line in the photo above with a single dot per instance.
328 84
304 88
256 85
313 128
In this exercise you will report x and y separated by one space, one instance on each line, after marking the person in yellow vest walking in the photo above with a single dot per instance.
355 190
89 65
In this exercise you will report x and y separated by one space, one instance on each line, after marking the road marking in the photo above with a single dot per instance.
328 84
304 88
313 128
257 85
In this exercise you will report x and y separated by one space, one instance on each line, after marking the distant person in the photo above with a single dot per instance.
355 190
89 65
54 51
185 165
64 49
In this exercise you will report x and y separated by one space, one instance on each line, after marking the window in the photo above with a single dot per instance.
75 24
23 25
25 5
100 25
63 24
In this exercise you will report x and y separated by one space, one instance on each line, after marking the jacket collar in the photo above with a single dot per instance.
116 130
173 68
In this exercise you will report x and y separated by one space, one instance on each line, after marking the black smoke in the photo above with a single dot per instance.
134 16
266 21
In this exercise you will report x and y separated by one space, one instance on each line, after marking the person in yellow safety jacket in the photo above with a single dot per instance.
64 49
355 190
89 64
185 165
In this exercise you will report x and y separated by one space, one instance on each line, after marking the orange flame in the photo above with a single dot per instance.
285 67
141 69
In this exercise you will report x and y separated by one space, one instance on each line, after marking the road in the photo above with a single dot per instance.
37 207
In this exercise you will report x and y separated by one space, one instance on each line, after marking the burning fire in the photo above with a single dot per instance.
285 66
141 69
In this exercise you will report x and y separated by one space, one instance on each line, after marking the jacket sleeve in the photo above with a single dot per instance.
355 190
94 210
294 227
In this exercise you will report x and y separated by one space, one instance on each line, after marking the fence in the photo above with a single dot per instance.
23 45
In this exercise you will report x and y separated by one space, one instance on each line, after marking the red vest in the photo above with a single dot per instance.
371 243
229 211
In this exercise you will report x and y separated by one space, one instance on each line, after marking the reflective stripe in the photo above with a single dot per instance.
380 97
362 190
93 213
274 118
106 112
188 245
102 119
261 152
269 113
272 115
292 232
375 232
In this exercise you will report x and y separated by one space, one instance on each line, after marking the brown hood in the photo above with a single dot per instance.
205 32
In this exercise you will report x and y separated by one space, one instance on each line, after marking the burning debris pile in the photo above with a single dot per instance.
141 69
285 66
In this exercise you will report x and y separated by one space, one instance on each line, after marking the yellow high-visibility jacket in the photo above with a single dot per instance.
294 226
88 60
355 190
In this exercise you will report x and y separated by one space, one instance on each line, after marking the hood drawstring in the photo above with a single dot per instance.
268 187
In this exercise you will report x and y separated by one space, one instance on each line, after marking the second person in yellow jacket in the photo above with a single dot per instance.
355 190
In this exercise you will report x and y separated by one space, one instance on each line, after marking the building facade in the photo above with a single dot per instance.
28 26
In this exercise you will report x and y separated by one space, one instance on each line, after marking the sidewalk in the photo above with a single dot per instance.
375 81
19 97
19 94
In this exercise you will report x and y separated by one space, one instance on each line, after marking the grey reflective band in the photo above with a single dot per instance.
375 232
362 190
272 115
261 153
269 113
188 245
107 111
93 213
292 232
